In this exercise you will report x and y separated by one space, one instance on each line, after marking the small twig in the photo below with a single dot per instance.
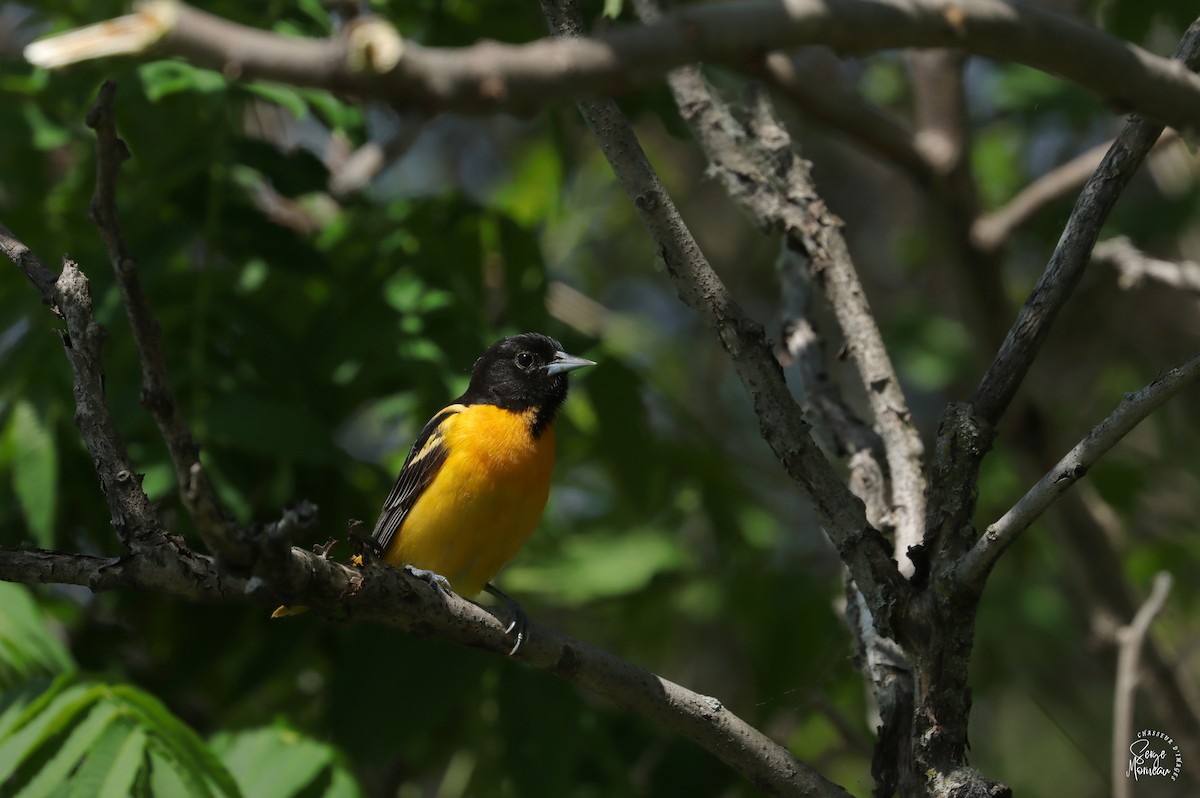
26 261
1129 413
1066 265
370 59
1135 267
992 230
1130 639
157 394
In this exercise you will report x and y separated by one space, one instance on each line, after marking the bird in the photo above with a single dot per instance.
476 479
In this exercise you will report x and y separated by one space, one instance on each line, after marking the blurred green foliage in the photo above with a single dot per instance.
310 335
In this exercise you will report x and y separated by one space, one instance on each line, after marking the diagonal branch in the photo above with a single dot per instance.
782 423
157 394
44 279
391 597
370 59
991 230
1133 409
759 169
1066 265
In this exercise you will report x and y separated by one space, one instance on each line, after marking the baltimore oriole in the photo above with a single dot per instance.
476 479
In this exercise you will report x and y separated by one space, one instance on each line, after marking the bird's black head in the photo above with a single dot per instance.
523 372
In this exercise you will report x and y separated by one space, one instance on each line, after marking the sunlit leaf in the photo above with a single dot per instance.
35 469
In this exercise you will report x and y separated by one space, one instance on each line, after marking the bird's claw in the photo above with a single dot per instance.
439 583
519 620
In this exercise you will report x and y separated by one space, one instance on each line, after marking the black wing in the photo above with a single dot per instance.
424 460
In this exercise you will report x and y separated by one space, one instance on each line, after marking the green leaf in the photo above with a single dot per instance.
284 96
409 294
532 194
27 647
16 701
35 472
163 78
279 762
612 8
46 134
179 740
93 774
57 772
44 719
599 566
125 766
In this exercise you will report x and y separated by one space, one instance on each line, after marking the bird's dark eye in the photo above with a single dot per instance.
525 361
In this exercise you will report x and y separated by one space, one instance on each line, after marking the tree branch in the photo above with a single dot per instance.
1133 409
781 422
370 59
158 397
1135 267
44 279
133 516
1130 639
761 172
811 79
391 597
880 659
848 435
991 230
1066 265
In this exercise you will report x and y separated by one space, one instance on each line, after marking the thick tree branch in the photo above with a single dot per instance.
1135 267
1132 410
1066 265
370 59
781 422
157 394
1130 639
390 597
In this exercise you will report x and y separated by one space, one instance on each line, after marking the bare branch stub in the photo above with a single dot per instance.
1135 267
34 269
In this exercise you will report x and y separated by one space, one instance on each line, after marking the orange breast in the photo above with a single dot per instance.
485 501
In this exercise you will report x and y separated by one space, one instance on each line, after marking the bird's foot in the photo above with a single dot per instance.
440 583
519 620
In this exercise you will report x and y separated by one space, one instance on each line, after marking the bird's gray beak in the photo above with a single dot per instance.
563 363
